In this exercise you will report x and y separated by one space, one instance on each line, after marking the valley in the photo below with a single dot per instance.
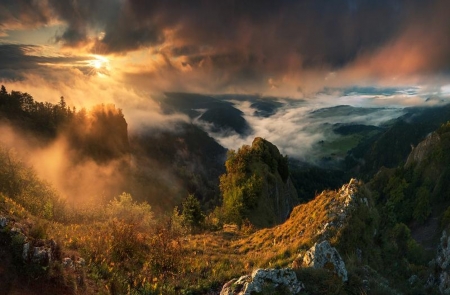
171 211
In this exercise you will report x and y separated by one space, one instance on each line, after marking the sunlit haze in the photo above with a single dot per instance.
130 53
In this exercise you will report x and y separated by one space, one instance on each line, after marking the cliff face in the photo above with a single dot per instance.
419 153
278 195
275 203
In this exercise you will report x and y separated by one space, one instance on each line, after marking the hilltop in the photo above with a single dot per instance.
257 186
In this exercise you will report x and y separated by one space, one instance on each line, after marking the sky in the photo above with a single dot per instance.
125 51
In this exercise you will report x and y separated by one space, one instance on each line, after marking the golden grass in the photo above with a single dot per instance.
205 260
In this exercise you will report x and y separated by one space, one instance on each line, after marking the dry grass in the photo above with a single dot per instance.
230 253
198 262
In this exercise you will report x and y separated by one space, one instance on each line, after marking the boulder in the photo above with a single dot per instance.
284 280
443 252
42 255
80 262
441 277
3 221
25 251
67 262
322 255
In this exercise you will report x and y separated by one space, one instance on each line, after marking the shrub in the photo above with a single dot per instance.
130 212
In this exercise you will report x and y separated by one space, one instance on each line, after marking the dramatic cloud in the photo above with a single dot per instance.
278 46
23 14
17 60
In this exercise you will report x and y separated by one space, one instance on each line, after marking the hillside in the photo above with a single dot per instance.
209 234
391 147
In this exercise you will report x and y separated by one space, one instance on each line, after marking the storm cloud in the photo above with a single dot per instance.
17 59
278 47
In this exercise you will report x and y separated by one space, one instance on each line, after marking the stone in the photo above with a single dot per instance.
444 283
441 263
67 262
264 278
3 221
80 262
42 255
16 230
412 280
322 255
25 251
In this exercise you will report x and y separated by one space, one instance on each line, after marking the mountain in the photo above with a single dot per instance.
221 114
418 191
391 147
169 164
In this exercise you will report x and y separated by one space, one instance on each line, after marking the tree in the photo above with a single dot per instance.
3 91
422 208
192 215
62 103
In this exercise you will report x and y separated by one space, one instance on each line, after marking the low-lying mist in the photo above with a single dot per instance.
77 178
298 127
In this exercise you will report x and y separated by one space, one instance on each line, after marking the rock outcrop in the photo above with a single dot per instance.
278 195
3 221
339 209
281 280
33 251
441 276
258 179
322 255
422 150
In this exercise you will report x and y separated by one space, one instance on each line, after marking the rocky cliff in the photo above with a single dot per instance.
257 185
423 149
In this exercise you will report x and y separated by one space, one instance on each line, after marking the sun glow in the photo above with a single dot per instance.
99 62
99 65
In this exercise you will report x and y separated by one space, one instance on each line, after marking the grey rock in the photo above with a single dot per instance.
80 262
321 255
441 263
3 221
444 283
419 153
264 278
16 230
412 280
42 255
25 251
67 262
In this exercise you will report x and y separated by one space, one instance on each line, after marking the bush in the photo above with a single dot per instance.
130 212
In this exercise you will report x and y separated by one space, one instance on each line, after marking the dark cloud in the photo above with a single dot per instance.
259 40
17 60
23 14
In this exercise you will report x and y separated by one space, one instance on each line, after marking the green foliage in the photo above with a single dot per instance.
422 207
239 196
445 220
130 212
309 181
38 231
247 170
320 281
21 183
191 213
44 118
